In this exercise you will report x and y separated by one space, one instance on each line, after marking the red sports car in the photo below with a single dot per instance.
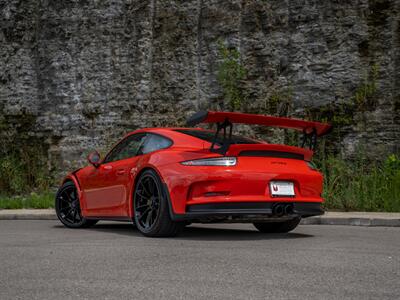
165 178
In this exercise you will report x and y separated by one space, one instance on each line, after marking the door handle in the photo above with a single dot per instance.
120 172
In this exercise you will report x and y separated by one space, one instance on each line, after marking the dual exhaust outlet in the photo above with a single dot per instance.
280 210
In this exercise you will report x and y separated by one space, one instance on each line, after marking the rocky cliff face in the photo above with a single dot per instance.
77 74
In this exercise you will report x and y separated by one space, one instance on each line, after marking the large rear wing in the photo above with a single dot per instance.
311 130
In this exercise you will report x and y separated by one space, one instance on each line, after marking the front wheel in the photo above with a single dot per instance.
151 210
68 208
277 227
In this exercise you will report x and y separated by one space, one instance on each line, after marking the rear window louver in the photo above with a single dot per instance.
270 153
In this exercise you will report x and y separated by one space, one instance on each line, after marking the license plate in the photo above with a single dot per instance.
281 188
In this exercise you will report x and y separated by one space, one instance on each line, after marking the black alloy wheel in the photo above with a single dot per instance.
147 201
68 207
151 210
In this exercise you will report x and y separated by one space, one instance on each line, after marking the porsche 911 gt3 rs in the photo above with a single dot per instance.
165 178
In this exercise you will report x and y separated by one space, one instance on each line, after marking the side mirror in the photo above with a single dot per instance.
94 158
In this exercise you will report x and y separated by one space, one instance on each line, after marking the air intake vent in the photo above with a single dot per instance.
269 153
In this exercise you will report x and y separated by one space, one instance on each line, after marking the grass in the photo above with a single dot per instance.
361 185
24 176
33 200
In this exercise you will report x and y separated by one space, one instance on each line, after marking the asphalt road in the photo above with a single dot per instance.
43 260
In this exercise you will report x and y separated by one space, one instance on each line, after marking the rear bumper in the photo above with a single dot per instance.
242 212
248 181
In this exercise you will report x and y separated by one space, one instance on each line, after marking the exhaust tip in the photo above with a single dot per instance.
279 210
288 209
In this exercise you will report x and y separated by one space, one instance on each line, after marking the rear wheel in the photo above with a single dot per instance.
151 210
277 227
68 208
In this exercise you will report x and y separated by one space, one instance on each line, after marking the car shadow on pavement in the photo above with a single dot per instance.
202 233
228 234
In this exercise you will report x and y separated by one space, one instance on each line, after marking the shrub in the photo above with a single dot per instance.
23 168
230 75
360 184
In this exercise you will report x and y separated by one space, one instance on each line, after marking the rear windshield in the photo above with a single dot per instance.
209 137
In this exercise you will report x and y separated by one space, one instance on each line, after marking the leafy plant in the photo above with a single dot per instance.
230 76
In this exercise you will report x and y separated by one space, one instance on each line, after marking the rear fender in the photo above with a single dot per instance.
139 172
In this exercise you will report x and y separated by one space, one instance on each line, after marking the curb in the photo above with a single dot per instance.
352 221
28 214
330 218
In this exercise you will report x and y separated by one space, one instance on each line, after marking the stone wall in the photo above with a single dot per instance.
86 71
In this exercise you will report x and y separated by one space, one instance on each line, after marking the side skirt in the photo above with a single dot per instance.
118 219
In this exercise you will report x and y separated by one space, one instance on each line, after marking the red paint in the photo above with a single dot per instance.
296 124
107 190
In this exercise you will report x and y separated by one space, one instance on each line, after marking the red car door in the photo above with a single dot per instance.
106 188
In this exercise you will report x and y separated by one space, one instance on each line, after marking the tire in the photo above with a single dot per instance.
151 209
68 209
277 227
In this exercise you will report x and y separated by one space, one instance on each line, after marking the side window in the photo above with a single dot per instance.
155 142
125 149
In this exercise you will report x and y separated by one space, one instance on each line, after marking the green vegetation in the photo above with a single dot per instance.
22 172
230 76
361 185
279 103
23 159
363 98
23 166
33 200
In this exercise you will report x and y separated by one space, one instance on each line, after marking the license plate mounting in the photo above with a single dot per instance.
282 188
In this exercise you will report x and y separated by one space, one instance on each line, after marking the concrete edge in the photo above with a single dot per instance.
352 221
28 217
28 214
349 219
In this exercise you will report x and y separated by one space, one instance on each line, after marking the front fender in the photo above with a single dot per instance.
72 177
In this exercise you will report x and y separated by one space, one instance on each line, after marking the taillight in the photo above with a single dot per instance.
215 161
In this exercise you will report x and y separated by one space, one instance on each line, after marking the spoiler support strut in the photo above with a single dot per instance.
309 139
226 141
